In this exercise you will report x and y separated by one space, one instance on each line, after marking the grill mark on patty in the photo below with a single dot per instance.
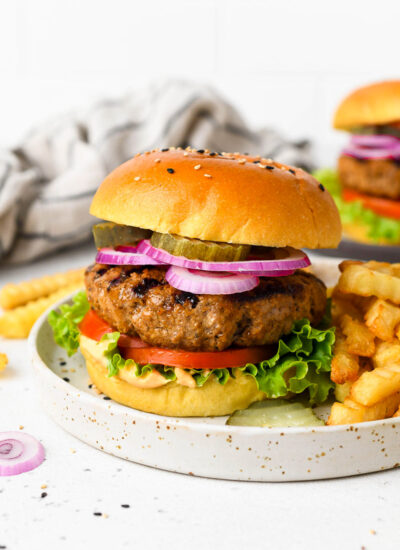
147 284
184 297
267 290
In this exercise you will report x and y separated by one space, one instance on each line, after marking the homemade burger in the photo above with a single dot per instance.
197 304
369 167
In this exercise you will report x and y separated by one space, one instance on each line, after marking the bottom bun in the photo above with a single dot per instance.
173 399
359 233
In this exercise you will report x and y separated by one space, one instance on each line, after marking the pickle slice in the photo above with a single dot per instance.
275 413
110 235
195 249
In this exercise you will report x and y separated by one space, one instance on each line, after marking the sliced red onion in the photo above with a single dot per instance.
281 273
373 147
375 141
204 282
296 259
117 257
19 452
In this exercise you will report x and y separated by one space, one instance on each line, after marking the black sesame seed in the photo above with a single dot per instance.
164 150
66 379
62 363
97 513
106 398
212 154
292 171
321 187
170 170
246 154
200 150
43 495
90 386
125 505
269 167
256 162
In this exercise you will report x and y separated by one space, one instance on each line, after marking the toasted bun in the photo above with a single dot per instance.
359 233
377 103
228 198
212 399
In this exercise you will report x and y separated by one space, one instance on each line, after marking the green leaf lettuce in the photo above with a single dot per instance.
378 227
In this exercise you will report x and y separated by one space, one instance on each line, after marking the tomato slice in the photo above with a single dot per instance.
94 327
198 359
383 207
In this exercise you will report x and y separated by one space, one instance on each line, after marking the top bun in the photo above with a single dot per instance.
377 103
225 197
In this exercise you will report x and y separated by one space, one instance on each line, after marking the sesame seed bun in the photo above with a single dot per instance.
173 399
377 103
227 198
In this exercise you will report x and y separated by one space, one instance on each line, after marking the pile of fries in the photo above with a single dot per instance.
366 363
25 302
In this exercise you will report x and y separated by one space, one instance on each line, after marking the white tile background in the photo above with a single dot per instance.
284 63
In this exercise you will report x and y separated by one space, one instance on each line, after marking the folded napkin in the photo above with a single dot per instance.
47 184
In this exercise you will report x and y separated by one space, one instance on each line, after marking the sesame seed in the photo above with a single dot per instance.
97 513
44 486
200 151
106 398
125 505
197 167
165 149
157 161
212 154
269 167
292 171
73 451
105 516
185 154
207 176
256 161
170 170
147 152
261 165
21 427
242 161
137 178
321 187
43 495
66 379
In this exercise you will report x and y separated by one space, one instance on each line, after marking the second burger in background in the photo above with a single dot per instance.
367 184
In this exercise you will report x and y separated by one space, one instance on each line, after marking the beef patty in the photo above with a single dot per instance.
376 177
139 301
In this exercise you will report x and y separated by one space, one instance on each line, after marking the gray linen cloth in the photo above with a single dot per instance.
47 184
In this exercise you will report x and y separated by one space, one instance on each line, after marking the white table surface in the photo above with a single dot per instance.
167 510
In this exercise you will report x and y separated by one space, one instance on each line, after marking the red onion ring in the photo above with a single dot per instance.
373 147
19 452
110 256
297 259
202 282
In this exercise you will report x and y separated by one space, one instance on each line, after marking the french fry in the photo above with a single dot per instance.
376 385
386 353
3 361
351 412
382 318
13 295
344 366
342 391
18 322
362 281
359 339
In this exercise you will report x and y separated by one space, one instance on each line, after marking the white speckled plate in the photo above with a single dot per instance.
206 447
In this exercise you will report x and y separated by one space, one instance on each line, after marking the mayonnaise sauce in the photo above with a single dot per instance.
151 380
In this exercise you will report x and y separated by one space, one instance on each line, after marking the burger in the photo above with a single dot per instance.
367 186
200 302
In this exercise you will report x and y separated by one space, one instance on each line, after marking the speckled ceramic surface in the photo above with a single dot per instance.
205 447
